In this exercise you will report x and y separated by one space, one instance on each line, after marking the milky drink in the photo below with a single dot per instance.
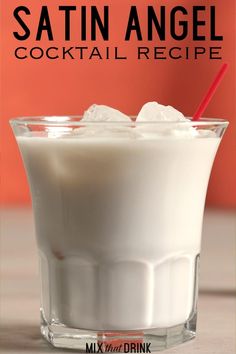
118 212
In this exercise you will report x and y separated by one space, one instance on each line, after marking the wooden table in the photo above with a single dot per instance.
20 287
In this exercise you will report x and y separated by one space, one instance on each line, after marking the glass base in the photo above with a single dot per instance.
135 341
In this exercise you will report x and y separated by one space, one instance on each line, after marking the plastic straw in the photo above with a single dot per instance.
210 93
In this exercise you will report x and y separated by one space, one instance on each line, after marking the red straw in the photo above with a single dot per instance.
210 93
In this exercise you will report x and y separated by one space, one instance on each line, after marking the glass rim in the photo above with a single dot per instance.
75 120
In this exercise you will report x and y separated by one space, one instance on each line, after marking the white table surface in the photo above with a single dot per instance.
19 290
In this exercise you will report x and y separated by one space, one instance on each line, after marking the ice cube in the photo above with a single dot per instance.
170 130
101 113
155 112
105 131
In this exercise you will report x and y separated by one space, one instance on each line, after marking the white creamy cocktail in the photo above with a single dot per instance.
118 208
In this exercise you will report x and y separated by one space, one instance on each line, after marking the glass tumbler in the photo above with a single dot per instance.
118 211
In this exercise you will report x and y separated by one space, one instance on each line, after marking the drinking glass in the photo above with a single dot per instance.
118 211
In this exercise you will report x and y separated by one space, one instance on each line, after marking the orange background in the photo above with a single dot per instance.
69 87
